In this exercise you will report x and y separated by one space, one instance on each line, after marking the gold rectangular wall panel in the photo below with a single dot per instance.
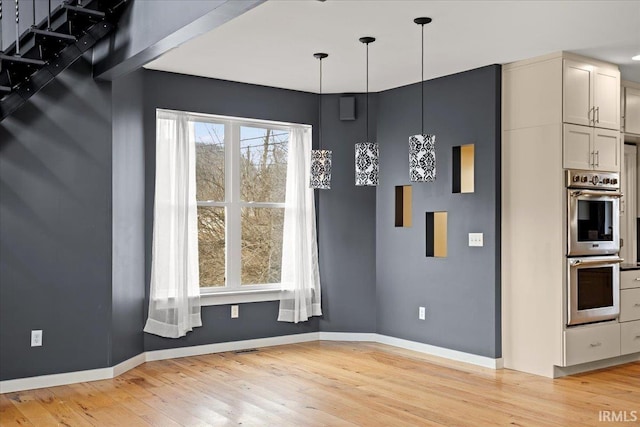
463 169
440 234
436 230
467 168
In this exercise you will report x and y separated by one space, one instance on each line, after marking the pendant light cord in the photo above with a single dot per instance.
367 92
422 83
320 109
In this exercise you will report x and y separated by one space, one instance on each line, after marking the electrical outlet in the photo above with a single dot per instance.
476 239
422 313
36 338
234 312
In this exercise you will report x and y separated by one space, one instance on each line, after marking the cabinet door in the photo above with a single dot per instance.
606 150
632 110
577 93
606 98
576 147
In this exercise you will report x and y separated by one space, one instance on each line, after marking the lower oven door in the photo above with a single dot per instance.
593 222
594 289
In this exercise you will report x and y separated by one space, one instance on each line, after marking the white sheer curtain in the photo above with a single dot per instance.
300 272
174 305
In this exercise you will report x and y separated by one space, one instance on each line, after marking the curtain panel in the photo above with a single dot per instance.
300 272
174 305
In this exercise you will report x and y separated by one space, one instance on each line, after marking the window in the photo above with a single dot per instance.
241 179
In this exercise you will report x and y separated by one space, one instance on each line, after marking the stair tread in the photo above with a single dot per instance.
84 10
5 89
60 36
21 60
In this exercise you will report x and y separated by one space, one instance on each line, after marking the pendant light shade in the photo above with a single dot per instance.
320 159
367 152
422 147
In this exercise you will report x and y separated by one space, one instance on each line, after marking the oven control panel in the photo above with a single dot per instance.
592 179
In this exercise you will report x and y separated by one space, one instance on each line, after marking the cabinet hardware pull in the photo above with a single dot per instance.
637 279
594 115
637 337
595 344
592 159
598 155
636 304
598 111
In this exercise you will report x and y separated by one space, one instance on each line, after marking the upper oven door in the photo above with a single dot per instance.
593 222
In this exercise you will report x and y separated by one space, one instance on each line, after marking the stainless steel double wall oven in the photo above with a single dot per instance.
593 244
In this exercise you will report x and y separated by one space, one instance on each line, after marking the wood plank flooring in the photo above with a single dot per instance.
330 384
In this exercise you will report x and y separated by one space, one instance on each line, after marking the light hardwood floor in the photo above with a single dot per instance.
328 383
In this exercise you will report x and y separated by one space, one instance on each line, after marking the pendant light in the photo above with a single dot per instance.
422 148
367 152
320 159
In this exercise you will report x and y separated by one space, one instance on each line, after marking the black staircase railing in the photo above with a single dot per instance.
47 48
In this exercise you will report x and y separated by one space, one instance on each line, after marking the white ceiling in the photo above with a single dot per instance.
273 44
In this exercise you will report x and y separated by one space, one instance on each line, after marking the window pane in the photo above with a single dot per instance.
261 245
263 164
211 246
209 161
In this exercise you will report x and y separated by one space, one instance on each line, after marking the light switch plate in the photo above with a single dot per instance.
422 313
234 312
476 239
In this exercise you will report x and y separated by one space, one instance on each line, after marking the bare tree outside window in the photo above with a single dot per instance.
262 178
210 181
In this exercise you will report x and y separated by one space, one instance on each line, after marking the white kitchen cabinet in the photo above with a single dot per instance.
631 110
549 124
592 342
591 95
629 305
630 337
590 148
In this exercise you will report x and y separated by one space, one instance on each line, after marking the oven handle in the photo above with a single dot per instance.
594 261
595 193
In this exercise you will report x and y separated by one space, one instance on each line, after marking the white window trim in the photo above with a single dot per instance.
237 293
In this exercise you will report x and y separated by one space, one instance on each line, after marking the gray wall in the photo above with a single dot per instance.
55 223
128 270
347 225
461 292
196 94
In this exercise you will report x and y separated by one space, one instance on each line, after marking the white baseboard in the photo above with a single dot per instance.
128 364
229 346
432 350
44 381
446 353
348 336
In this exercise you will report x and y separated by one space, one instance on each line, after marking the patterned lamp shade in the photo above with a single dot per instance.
320 169
367 163
422 158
